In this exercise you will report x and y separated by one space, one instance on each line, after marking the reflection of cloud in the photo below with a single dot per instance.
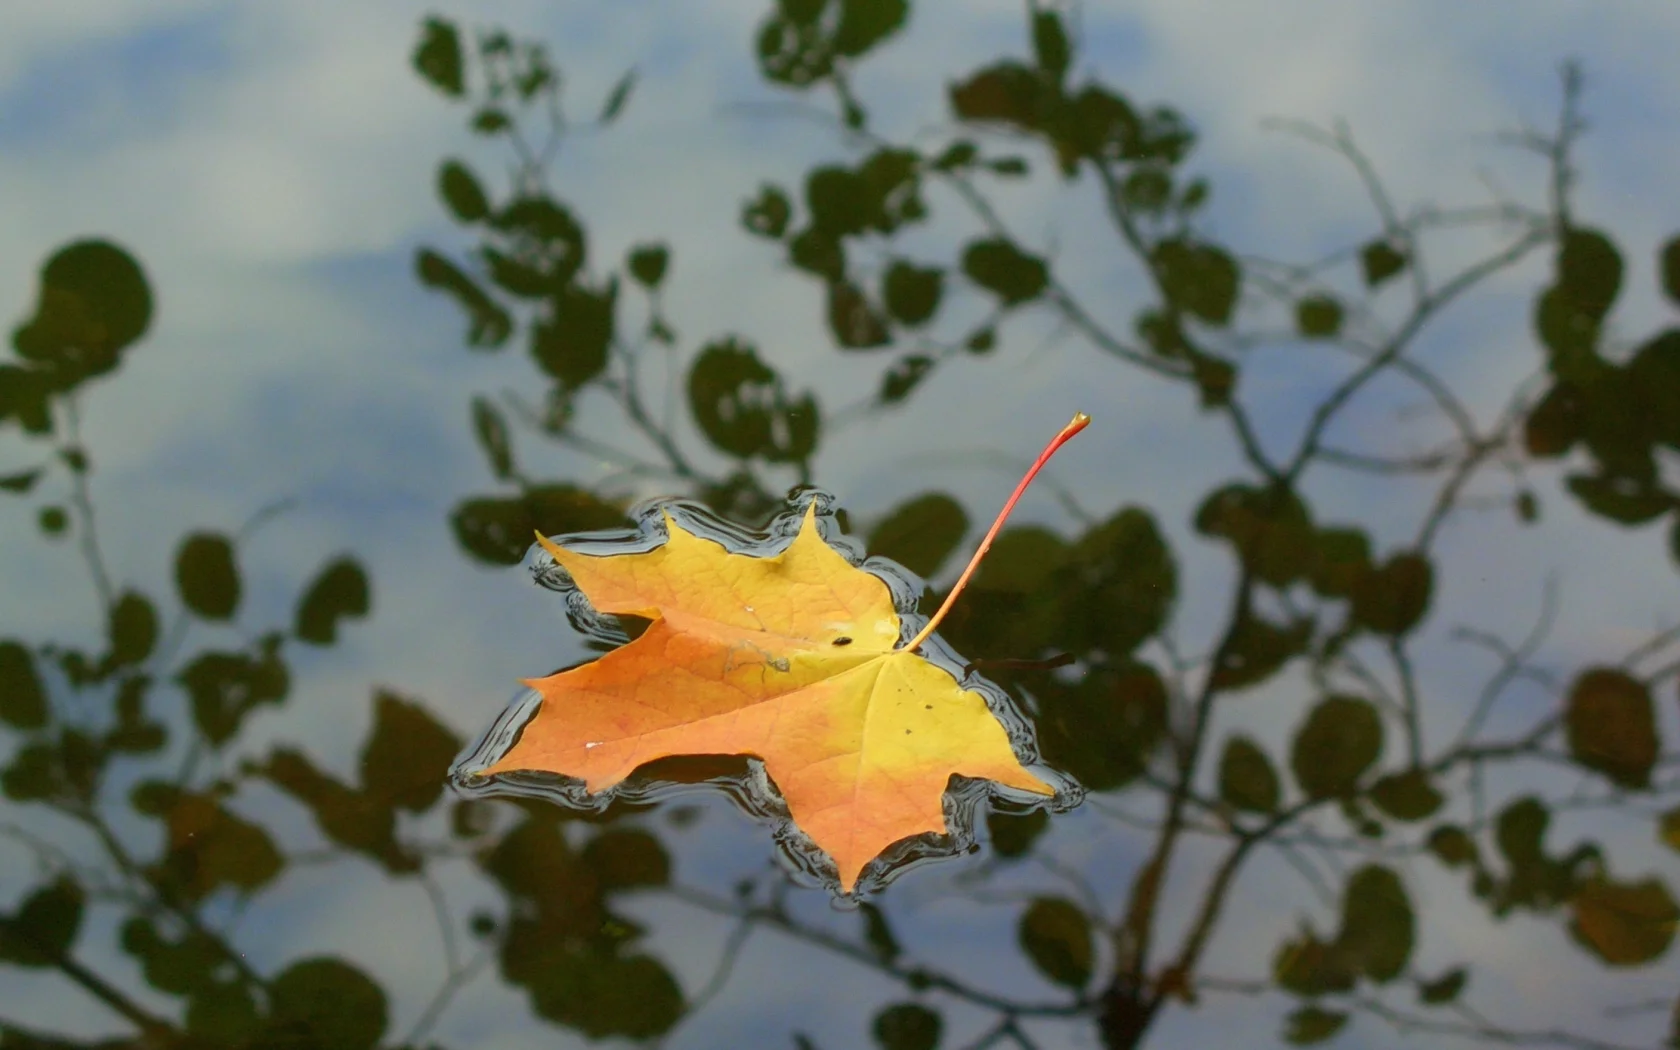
272 166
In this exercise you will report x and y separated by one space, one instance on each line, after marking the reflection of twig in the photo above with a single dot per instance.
779 920
452 984
83 501
1477 1028
440 912
720 973
1513 661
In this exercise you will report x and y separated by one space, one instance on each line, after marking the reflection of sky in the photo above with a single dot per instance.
272 166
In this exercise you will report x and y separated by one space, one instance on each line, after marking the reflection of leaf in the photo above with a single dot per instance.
225 687
907 1026
1378 925
1443 989
339 592
210 847
407 755
625 858
1407 796
911 292
647 264
1056 936
1625 923
904 376
617 97
1393 598
1259 648
1589 271
326 1002
1199 278
94 302
853 319
920 533
802 638
767 214
460 190
44 926
1668 829
1246 777
1012 835
1004 270
1310 1025
1118 584
1380 261
499 530
492 433
1103 728
437 57
133 628
488 324
1318 317
23 699
740 405
1340 739
572 344
206 575
1612 726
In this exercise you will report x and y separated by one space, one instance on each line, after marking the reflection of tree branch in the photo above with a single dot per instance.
1477 1028
155 1030
452 984
786 924
83 502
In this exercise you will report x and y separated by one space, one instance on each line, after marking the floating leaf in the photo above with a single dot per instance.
801 638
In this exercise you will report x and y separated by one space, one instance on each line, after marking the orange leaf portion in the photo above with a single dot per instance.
791 659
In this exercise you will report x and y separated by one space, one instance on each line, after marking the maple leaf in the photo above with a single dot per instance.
794 659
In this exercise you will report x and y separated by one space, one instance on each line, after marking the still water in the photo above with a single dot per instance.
1348 634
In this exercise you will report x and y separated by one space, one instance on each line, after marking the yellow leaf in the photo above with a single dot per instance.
794 659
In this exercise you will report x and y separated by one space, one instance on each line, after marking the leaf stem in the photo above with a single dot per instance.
1079 422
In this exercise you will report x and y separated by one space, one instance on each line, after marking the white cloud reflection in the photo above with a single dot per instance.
272 166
